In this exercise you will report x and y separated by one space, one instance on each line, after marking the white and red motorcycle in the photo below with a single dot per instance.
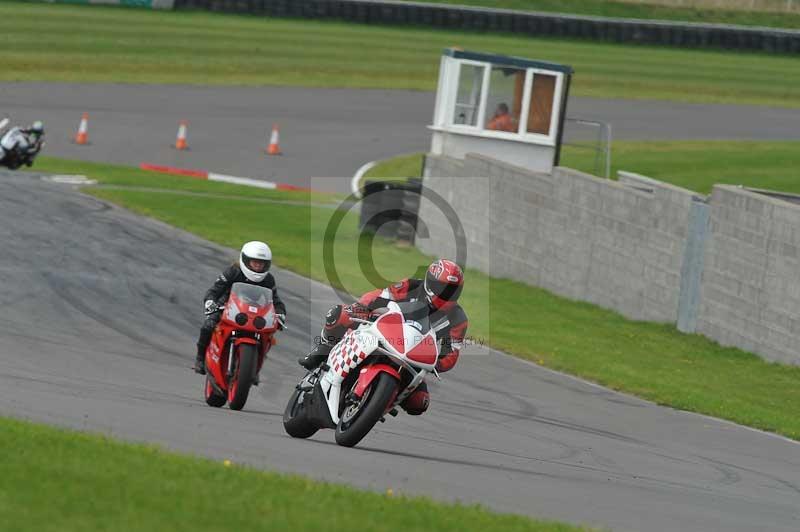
368 374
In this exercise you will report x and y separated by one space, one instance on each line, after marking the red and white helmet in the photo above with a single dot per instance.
444 281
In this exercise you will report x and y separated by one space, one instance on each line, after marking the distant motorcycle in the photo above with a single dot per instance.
239 345
16 148
367 375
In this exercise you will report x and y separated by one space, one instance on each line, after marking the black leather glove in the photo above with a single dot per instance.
211 307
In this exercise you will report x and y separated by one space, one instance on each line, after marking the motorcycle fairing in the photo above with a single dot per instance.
404 339
425 352
355 346
390 325
255 302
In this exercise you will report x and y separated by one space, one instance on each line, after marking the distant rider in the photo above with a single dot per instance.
19 145
440 289
253 268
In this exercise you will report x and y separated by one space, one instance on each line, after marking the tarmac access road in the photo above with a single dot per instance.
100 311
324 132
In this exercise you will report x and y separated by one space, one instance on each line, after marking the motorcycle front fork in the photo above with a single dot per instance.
230 360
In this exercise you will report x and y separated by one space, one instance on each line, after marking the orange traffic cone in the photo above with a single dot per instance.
180 142
82 136
273 148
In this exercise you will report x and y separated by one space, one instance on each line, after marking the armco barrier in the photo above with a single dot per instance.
152 4
524 22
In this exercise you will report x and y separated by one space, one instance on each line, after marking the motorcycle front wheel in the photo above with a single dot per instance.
295 422
239 386
360 416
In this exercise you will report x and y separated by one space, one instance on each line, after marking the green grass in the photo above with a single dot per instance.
643 10
128 176
694 164
102 44
398 168
58 480
700 164
651 360
409 165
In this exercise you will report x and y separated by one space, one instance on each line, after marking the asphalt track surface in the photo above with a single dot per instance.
98 317
324 132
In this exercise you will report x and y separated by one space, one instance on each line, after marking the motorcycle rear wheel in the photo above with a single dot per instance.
295 422
354 425
245 371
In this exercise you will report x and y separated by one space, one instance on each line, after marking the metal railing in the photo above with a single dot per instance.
539 24
600 145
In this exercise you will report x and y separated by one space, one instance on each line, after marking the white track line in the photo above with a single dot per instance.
354 183
241 181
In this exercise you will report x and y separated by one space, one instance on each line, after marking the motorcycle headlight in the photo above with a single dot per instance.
233 311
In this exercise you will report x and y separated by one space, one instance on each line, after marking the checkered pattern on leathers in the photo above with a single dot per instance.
346 355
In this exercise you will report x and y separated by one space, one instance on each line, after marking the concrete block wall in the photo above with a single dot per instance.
618 244
469 198
750 289
730 264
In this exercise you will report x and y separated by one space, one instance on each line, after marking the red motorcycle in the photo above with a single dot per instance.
239 345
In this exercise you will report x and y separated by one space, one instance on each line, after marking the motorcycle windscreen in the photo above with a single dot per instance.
252 295
416 314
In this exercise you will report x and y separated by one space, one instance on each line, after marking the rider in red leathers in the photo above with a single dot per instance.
441 288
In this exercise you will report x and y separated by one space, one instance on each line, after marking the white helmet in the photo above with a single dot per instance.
255 250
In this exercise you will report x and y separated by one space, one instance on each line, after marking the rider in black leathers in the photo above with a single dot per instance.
254 262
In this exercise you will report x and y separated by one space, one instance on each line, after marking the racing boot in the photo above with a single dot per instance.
417 403
200 360
316 357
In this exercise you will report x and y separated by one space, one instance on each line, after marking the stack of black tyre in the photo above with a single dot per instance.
390 208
